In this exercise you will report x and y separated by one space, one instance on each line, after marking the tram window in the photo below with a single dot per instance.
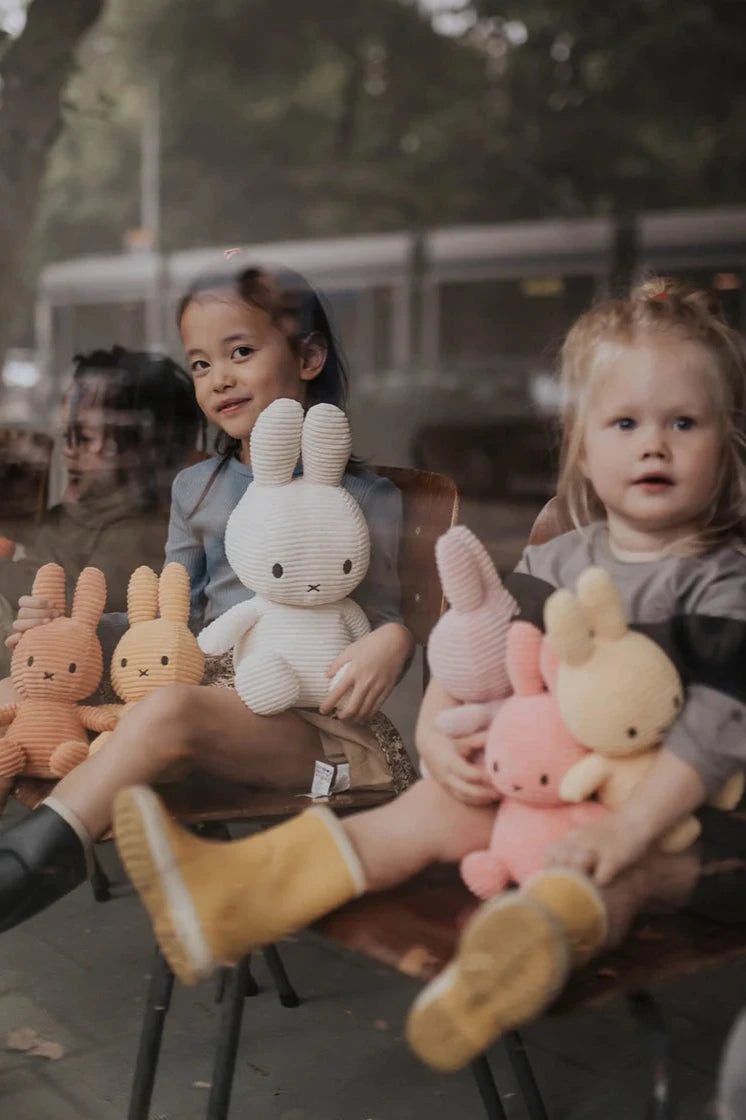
523 317
100 325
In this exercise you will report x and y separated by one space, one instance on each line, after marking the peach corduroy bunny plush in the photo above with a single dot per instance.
53 667
618 692
467 646
301 544
158 648
528 752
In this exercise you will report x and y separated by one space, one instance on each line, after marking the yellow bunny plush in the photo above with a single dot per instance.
158 648
618 693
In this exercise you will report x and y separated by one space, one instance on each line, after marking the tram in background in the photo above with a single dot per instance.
441 329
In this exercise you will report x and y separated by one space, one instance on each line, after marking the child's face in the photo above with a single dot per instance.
90 457
652 441
241 362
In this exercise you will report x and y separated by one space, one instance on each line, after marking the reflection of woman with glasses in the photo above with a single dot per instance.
130 422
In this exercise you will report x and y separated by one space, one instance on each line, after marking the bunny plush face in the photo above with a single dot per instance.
156 651
617 690
62 660
529 749
299 541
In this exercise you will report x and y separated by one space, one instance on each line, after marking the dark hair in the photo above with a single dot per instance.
149 408
299 311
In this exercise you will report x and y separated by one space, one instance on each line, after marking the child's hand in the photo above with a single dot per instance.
601 850
456 764
374 664
32 611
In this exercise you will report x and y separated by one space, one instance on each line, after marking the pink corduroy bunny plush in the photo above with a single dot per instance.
467 646
529 750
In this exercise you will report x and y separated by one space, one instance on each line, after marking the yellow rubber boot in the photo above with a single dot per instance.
212 902
514 958
574 900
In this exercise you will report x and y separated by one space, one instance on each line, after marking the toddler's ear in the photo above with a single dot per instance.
313 351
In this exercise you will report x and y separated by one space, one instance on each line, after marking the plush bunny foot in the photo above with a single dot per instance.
67 756
512 960
212 902
267 684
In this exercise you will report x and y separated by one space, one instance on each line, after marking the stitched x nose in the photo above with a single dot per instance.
48 676
143 672
314 587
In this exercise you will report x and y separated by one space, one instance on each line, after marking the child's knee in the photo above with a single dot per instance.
168 718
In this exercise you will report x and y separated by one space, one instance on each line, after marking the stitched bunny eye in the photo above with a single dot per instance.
72 666
631 732
347 567
123 662
495 767
30 661
277 571
544 779
164 660
676 703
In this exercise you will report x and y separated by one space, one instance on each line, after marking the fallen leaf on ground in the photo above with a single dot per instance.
26 1039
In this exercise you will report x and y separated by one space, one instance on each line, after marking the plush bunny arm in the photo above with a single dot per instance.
100 717
484 873
7 714
355 619
584 778
222 634
467 719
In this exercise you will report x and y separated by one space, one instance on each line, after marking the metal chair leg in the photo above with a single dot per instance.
227 1046
524 1075
493 1106
285 990
148 1051
221 984
649 1017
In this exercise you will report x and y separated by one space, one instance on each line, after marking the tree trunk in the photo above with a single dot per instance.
34 71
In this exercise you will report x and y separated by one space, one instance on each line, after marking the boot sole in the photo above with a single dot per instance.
512 960
142 836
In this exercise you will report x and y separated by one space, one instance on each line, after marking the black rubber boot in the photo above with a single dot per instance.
41 859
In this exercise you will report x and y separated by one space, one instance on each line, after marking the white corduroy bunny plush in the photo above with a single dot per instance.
301 544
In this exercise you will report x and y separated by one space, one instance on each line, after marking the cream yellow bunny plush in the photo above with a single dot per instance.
618 693
158 648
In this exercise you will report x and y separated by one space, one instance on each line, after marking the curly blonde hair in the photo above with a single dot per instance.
659 305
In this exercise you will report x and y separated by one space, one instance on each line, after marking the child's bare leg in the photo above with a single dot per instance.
426 824
187 725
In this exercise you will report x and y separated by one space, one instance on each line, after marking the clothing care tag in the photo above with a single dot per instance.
330 779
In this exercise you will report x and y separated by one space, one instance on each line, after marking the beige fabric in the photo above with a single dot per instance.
374 751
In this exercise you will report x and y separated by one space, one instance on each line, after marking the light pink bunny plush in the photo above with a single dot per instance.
467 646
528 752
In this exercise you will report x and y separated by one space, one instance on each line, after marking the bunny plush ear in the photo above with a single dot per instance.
602 604
49 583
567 629
142 595
275 442
326 445
173 593
467 574
523 659
90 597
